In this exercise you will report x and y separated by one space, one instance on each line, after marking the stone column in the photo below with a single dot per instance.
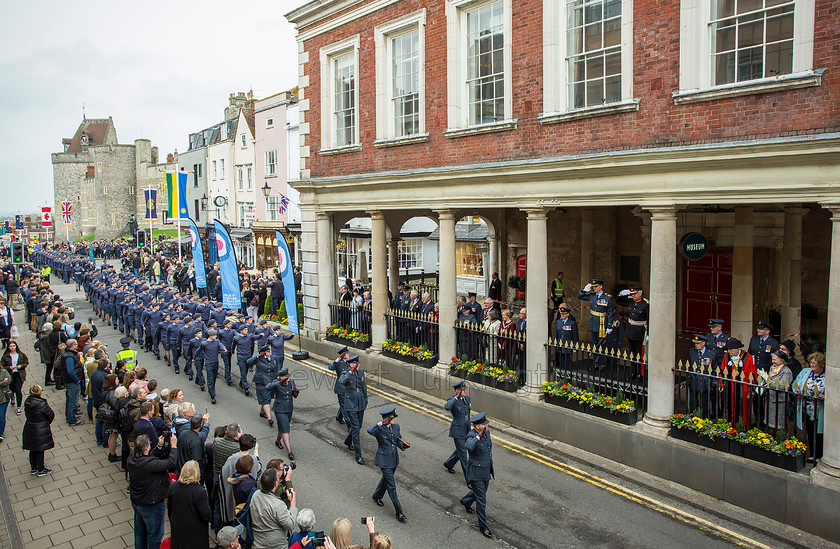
447 286
742 274
661 348
536 299
379 284
326 267
393 265
493 245
645 259
827 472
792 264
587 262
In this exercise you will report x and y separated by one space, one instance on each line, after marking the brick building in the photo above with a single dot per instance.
590 137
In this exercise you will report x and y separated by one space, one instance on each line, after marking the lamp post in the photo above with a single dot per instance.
266 189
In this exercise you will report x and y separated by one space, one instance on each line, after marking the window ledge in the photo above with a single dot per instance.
503 126
341 150
590 112
272 176
751 87
396 142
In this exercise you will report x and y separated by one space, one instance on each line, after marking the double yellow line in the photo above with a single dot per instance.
641 499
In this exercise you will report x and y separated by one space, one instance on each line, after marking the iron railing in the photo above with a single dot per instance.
350 316
415 329
748 399
604 369
496 347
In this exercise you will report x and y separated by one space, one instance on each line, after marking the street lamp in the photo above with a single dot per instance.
204 203
266 189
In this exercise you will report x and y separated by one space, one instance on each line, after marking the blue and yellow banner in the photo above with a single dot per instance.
228 271
176 192
151 203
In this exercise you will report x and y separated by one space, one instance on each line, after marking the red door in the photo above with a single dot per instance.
707 291
521 262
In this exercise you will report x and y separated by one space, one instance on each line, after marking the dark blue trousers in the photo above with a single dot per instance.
459 455
387 483
478 495
355 419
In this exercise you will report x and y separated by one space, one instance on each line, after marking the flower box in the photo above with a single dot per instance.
791 463
736 448
425 363
625 418
783 461
349 342
563 402
463 374
507 386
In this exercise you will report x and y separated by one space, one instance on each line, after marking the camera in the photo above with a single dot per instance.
291 465
317 538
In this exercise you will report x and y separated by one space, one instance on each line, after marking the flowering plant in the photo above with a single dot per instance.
405 349
348 333
616 404
486 370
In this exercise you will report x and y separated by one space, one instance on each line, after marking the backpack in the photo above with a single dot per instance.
124 425
243 517
255 300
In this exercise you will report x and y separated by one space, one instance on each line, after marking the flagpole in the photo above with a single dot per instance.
149 213
175 189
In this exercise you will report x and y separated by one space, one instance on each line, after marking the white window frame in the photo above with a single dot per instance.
556 71
696 74
382 35
270 163
410 250
249 174
273 207
215 172
221 168
244 143
269 122
240 178
456 69
328 55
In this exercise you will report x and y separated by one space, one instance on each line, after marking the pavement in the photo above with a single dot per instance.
544 495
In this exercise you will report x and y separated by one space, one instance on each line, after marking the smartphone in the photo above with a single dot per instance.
205 410
173 430
364 520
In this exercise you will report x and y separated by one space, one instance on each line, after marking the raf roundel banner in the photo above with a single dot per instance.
284 266
198 257
228 271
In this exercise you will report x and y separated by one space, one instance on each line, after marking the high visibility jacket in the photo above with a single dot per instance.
130 358
46 271
558 288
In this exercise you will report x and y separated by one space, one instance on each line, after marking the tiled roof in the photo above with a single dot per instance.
96 130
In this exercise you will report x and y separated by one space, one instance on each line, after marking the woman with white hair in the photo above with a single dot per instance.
306 524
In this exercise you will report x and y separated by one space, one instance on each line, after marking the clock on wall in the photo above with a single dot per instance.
220 201
84 139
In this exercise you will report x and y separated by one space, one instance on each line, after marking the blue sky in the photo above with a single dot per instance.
161 69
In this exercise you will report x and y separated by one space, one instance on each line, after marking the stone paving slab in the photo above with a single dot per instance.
83 503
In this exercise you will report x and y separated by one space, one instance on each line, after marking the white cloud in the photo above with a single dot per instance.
161 69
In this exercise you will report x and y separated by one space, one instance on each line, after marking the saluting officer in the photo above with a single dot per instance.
479 470
265 373
355 403
602 310
339 366
285 391
459 405
387 433
638 314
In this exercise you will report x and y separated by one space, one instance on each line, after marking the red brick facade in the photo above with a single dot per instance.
658 123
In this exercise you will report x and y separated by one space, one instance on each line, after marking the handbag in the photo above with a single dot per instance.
15 333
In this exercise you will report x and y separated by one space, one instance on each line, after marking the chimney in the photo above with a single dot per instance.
170 158
154 155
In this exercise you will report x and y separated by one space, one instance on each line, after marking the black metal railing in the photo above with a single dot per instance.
351 317
607 370
749 399
492 346
415 329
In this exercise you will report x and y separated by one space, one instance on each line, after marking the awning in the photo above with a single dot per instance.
241 234
185 239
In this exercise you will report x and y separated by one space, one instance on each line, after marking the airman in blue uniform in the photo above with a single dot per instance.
355 403
265 371
387 433
339 366
602 311
479 470
459 406
284 391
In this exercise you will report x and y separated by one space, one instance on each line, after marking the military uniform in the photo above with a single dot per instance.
638 315
459 428
699 386
602 311
388 440
761 349
479 471
339 366
567 336
355 403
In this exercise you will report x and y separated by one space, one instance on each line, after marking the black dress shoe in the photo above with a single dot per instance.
291 456
202 388
349 445
468 509
213 400
230 382
401 517
191 377
177 371
378 501
48 383
486 532
247 392
340 420
262 414
271 423
360 461
279 444
450 470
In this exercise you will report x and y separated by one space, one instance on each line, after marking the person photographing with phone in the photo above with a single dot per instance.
387 433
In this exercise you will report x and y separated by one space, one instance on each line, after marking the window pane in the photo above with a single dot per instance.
780 28
612 33
750 34
750 64
594 92
613 89
594 67
725 38
749 5
779 59
613 64
725 68
593 12
344 100
485 63
593 36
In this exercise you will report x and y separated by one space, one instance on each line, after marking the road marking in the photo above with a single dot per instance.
641 499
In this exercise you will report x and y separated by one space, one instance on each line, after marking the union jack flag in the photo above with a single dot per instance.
66 210
284 203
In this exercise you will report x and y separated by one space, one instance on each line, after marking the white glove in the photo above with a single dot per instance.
624 293
587 288
609 331
646 338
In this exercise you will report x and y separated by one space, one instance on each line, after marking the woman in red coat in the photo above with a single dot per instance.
735 393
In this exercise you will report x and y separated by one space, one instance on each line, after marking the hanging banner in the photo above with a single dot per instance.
287 275
151 203
198 257
66 211
46 217
228 271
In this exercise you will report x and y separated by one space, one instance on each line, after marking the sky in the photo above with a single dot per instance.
161 69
